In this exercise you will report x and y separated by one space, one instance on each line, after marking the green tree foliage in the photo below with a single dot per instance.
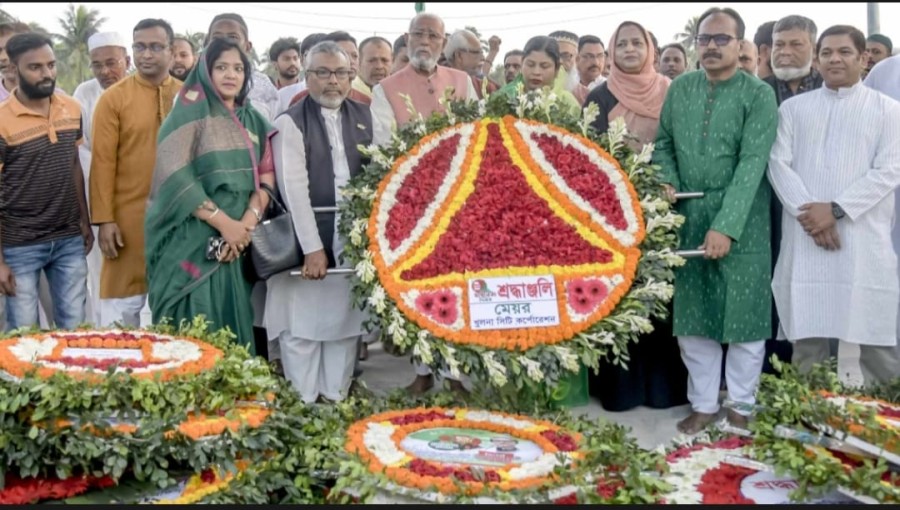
79 24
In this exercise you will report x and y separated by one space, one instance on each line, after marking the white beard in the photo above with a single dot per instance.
329 102
423 64
791 73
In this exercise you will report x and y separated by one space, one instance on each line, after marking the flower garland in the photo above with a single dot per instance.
377 441
19 491
201 485
86 355
510 189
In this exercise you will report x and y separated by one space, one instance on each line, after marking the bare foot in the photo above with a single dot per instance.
737 420
695 423
422 384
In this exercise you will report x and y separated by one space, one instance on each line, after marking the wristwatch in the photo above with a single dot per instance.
837 211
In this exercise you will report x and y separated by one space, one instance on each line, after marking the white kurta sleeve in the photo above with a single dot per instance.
471 93
884 176
292 178
788 185
383 120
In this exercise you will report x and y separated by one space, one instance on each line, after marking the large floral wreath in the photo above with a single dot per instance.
510 188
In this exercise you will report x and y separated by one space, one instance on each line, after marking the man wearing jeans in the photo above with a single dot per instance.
44 224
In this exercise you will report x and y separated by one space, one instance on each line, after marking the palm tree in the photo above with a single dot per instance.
196 38
687 37
79 24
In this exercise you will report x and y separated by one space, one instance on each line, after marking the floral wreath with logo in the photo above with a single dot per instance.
610 279
470 194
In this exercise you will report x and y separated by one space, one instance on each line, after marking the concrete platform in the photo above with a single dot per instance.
383 372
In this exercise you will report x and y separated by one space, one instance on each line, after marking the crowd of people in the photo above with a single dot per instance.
144 188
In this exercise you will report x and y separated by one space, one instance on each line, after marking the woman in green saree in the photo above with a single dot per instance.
213 151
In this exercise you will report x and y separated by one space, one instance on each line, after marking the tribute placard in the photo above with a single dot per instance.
513 302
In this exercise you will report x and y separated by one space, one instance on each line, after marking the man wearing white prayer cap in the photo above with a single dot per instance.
109 63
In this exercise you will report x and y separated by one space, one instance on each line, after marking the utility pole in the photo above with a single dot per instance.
874 18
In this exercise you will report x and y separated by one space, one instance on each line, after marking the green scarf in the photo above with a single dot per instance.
205 152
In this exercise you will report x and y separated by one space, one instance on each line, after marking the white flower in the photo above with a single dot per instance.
590 114
634 323
496 371
365 269
567 358
668 222
396 328
655 205
377 439
377 298
422 348
356 231
656 290
450 358
532 368
646 154
617 131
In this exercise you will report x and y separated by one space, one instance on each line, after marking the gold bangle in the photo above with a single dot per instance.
256 213
213 214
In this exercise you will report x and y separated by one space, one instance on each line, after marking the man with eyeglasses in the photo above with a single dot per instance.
123 153
463 52
590 62
316 153
568 50
109 64
263 94
716 129
422 80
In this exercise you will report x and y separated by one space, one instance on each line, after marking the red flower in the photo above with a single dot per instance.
504 223
562 442
571 499
419 189
591 183
722 485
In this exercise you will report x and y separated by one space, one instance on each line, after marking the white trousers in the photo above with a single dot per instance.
125 310
879 363
94 265
703 359
318 368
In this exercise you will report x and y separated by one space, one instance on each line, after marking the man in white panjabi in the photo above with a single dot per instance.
109 64
424 82
834 166
316 154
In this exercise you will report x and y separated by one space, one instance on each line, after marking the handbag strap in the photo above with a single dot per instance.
274 199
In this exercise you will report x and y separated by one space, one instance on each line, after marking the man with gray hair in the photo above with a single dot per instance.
422 80
463 52
316 153
793 49
109 64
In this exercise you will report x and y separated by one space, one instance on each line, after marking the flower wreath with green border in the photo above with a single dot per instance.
540 367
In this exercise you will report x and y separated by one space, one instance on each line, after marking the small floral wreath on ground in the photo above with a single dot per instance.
26 491
88 354
719 473
510 188
429 450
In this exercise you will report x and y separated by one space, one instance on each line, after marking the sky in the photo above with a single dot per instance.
514 23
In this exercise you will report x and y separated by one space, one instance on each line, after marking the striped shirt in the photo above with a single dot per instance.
38 197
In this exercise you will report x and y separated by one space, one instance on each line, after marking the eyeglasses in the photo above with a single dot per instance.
720 39
421 34
325 74
99 67
154 48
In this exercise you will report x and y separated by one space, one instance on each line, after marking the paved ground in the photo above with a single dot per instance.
383 372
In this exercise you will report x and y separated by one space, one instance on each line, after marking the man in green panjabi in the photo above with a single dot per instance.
716 129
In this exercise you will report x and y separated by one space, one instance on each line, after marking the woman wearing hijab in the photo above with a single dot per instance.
540 67
213 153
634 91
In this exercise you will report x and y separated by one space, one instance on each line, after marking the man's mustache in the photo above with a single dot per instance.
712 54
